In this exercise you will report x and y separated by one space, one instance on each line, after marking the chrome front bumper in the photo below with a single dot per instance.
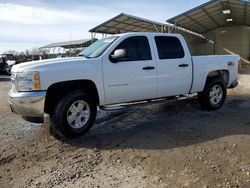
27 104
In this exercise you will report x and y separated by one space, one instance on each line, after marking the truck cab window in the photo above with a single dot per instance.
137 48
169 47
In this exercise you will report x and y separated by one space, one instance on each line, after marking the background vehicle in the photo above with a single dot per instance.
119 69
6 62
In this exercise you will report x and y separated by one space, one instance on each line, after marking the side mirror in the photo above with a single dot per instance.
119 54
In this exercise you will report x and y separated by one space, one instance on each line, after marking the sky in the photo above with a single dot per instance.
27 24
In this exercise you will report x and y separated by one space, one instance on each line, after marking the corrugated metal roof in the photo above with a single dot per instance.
71 44
214 14
124 23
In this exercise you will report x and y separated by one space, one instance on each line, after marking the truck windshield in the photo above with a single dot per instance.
98 48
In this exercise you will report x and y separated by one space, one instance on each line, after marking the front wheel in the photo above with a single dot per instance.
214 94
74 115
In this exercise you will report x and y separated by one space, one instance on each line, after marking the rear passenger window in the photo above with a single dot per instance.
169 47
137 48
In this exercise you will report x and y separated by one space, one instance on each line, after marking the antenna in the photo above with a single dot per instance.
69 34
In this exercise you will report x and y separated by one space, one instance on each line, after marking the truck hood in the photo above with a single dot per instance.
35 65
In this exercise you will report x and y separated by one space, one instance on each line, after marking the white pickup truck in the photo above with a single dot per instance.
120 69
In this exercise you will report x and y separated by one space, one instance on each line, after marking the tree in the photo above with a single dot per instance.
35 51
27 52
13 52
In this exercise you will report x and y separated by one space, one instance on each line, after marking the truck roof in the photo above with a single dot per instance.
148 33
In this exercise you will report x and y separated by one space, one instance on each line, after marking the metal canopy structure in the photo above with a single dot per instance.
124 23
214 14
70 44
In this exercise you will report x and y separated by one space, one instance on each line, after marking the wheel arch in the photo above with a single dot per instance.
56 91
222 74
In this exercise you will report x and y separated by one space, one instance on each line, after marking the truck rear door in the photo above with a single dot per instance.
174 66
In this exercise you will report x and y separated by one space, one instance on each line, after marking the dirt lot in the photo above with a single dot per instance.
161 145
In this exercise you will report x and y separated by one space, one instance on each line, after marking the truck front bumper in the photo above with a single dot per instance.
27 104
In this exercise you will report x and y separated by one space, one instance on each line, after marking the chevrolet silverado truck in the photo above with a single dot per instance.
118 70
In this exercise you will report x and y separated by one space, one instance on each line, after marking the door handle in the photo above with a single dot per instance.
148 68
183 65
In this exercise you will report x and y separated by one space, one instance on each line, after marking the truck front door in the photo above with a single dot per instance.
133 78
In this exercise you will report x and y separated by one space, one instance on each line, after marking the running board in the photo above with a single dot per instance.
140 103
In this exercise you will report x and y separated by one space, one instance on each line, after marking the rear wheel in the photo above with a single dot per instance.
214 94
74 115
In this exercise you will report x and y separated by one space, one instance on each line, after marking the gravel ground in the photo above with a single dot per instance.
159 145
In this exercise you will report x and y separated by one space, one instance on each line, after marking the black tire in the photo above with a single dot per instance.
204 98
59 123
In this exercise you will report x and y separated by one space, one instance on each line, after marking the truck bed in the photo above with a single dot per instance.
203 65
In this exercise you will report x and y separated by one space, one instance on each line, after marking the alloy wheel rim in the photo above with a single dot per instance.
215 95
78 114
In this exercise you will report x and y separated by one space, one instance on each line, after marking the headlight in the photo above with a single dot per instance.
26 81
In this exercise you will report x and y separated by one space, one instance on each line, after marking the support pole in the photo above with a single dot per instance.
173 27
156 28
92 37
